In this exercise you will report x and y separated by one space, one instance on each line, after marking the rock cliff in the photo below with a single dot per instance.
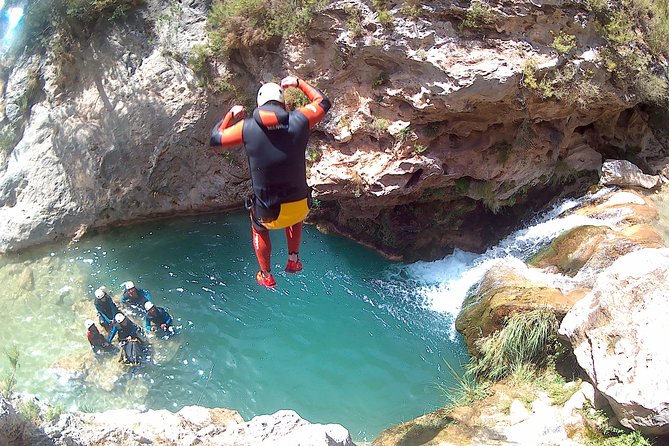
445 131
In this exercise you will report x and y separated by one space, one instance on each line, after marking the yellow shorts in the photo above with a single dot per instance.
290 213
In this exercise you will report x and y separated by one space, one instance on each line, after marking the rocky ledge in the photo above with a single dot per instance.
192 425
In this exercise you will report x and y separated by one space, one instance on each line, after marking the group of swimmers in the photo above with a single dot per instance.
115 322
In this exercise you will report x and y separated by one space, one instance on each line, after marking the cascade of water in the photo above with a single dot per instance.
442 285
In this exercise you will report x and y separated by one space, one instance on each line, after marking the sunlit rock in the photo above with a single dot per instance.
624 207
615 333
624 173
585 251
192 425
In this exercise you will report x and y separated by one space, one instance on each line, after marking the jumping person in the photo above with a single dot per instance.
275 141
105 306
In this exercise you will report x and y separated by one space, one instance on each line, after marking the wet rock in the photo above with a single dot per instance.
615 333
585 251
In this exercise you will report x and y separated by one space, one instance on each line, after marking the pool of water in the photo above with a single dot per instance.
348 340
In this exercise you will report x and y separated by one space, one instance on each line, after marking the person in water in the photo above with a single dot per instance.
105 306
157 318
98 342
129 339
135 297
275 142
125 328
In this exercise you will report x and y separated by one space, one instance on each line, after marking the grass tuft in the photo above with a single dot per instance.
526 338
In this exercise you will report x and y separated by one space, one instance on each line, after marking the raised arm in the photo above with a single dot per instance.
112 334
319 105
225 135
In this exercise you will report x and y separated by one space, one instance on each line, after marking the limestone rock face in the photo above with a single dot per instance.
125 139
616 335
434 140
192 425
624 173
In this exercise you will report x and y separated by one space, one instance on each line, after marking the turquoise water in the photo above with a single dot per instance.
349 340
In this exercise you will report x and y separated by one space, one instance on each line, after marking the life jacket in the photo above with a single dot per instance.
106 307
275 142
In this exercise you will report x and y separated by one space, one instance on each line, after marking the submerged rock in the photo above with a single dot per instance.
616 333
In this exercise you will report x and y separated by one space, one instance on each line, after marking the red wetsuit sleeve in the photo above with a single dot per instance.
319 105
225 136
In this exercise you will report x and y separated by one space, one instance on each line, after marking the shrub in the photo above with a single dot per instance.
245 23
295 98
563 43
381 6
478 15
29 410
419 148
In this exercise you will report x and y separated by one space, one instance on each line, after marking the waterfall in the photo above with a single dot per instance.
442 285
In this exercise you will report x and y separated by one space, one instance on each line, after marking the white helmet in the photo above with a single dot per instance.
270 92
120 317
129 285
148 305
99 293
89 322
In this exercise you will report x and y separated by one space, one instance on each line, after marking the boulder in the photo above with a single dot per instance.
624 173
586 250
616 334
504 291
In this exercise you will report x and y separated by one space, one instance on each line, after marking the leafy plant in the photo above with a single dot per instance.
380 125
384 17
54 411
412 8
354 20
29 410
295 98
7 139
419 148
380 79
462 185
563 43
313 153
600 432
478 15
503 149
244 23
404 134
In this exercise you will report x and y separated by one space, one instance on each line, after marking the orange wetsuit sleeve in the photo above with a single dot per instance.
319 105
225 136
